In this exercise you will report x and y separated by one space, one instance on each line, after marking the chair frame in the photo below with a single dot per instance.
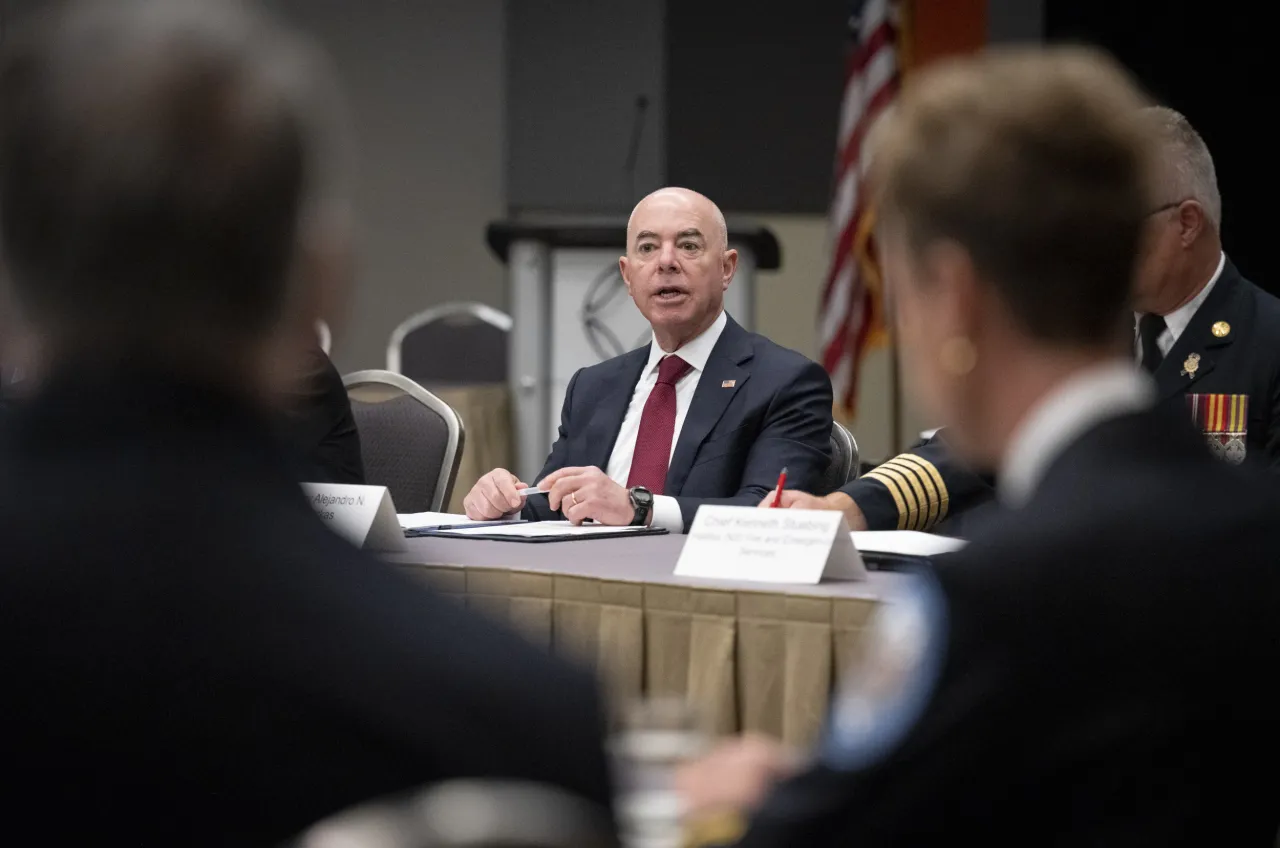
326 338
855 459
457 431
487 314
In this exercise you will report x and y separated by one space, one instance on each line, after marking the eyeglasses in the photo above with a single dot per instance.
1173 205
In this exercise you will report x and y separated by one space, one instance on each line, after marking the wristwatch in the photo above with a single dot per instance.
642 500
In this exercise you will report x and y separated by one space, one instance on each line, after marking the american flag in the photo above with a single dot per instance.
850 317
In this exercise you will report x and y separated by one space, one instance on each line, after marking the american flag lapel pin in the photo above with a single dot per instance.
728 384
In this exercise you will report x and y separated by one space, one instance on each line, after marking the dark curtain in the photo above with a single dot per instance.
1215 63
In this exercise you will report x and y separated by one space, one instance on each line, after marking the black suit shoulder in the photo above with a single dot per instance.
318 426
781 357
1265 305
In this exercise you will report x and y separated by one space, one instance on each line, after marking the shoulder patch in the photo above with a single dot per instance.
903 650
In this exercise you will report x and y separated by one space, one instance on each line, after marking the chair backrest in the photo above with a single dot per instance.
454 343
844 467
411 440
468 814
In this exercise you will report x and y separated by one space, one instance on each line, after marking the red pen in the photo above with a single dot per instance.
777 496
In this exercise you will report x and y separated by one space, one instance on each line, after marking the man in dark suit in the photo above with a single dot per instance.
191 657
318 426
707 413
1042 685
1205 333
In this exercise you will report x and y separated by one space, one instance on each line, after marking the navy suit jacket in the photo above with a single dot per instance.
758 408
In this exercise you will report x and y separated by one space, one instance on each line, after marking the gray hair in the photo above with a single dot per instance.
1187 167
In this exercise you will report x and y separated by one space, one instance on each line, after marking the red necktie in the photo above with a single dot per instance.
657 427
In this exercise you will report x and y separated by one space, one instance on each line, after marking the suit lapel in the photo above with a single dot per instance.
1192 356
611 408
720 382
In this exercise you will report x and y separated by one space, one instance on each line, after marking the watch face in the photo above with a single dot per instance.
641 496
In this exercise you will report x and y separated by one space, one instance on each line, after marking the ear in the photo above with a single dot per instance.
729 266
624 271
1192 221
953 281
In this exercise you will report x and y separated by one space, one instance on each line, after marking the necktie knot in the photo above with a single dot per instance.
1150 326
671 369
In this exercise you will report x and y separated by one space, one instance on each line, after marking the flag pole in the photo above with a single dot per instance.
895 394
906 56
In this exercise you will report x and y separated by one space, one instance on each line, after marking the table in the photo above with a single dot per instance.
751 656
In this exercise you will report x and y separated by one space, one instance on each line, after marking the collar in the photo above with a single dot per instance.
696 351
1178 319
1064 415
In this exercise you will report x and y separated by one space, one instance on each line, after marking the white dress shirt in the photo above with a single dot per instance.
666 511
1063 416
1177 320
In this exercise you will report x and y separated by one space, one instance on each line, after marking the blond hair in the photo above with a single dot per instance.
1033 160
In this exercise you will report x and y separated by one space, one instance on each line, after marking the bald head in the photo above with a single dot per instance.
678 264
683 199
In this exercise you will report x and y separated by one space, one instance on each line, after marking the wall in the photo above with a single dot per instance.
753 96
575 71
786 311
425 85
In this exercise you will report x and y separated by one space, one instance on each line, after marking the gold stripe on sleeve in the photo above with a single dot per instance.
892 485
944 497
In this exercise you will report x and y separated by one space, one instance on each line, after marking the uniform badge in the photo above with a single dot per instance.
887 694
1224 420
1221 329
1191 365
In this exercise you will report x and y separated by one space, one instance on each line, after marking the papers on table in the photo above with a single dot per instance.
423 520
905 542
535 529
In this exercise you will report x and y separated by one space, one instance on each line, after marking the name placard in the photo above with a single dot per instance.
770 546
363 515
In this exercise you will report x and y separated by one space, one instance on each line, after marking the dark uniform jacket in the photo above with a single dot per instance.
1231 349
192 658
1098 668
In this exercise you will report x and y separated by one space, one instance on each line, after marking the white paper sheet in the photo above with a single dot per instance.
545 528
905 542
417 520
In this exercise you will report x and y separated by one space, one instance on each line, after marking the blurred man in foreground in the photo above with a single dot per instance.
706 413
191 657
1043 685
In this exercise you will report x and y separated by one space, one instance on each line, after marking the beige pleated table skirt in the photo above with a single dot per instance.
748 656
